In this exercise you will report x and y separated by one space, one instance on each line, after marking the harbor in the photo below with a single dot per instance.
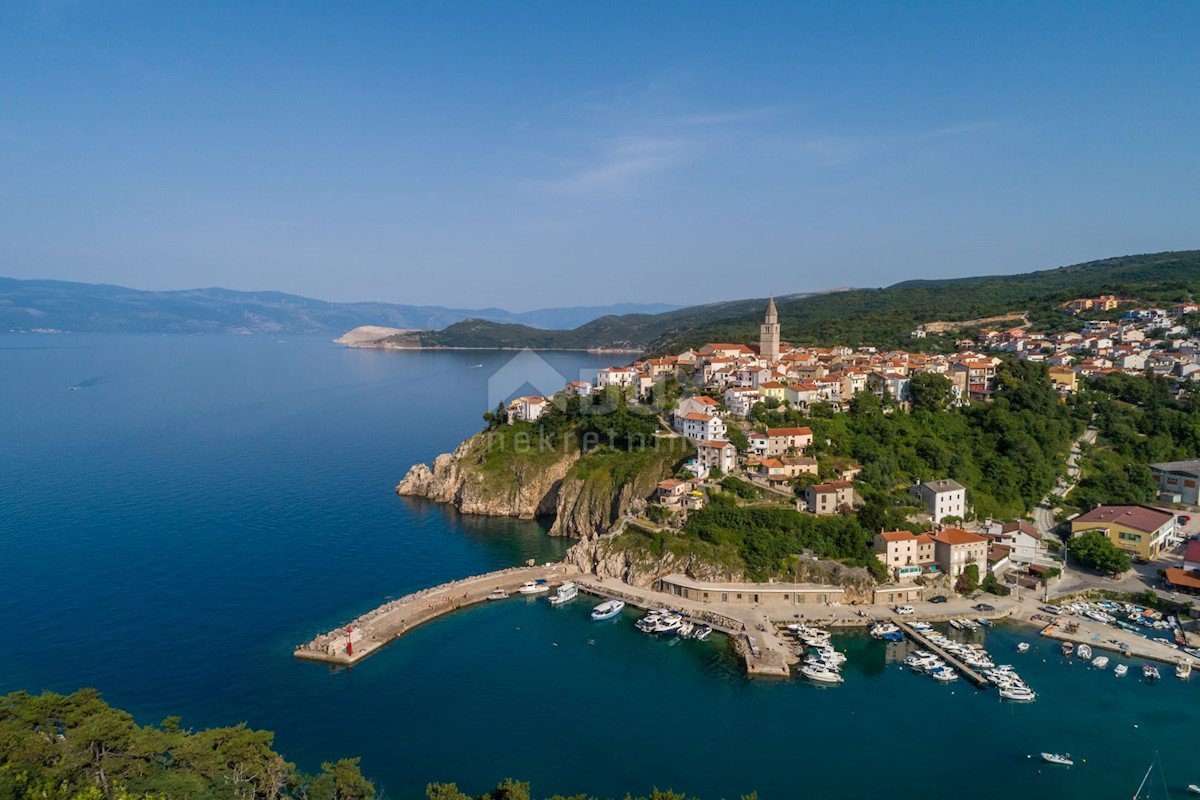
927 643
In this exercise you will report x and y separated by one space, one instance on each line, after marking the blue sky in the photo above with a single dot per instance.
535 154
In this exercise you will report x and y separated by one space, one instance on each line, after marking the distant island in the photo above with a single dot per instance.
62 306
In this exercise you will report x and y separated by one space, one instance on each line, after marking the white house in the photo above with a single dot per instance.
759 443
527 409
942 498
740 399
702 428
697 404
717 454
615 376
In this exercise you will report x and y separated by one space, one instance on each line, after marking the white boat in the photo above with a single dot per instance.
880 629
1018 693
1193 789
1100 662
564 594
956 624
687 629
534 587
1023 647
1055 758
607 610
669 625
1183 670
1084 652
944 674
499 594
921 627
1068 649
1150 672
820 674
1119 670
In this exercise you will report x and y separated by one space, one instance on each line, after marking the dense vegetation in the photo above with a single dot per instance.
881 317
1139 423
77 747
1008 452
766 538
1094 550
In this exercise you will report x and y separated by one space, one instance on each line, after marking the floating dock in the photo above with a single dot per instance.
353 642
973 676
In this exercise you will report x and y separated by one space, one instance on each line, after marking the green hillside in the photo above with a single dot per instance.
882 317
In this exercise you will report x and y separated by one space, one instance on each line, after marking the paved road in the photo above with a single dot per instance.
1043 515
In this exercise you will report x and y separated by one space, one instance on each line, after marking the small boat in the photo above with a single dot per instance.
1183 670
820 674
921 627
701 633
534 587
1150 672
1023 647
607 610
1100 662
1193 789
957 624
687 629
1021 694
985 622
499 594
944 674
1055 758
564 594
1084 652
1119 670
1068 649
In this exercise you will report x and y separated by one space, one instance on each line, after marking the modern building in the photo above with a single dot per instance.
942 498
722 455
1178 481
1141 530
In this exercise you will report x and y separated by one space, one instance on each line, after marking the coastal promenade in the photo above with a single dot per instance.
358 639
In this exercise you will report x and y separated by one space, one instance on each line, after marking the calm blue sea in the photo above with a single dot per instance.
199 505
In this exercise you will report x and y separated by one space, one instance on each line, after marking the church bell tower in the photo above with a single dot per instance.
768 340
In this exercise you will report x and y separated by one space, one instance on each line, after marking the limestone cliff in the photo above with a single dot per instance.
484 475
613 557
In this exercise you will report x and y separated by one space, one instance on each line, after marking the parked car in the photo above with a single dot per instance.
905 610
941 598
983 607
1184 519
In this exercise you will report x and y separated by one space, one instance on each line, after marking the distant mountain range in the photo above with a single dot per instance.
880 317
99 308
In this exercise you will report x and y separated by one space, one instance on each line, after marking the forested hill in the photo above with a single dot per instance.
882 317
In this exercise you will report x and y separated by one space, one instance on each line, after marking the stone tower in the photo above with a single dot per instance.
768 340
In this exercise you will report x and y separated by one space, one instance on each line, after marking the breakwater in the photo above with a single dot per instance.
354 641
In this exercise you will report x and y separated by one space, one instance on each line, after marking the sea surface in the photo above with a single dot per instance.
171 528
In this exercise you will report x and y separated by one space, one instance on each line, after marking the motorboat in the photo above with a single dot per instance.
957 624
1084 652
1183 670
1100 662
1021 694
985 622
1055 758
668 626
820 674
564 594
1099 616
1119 670
1023 647
944 674
499 594
607 610
881 629
1150 672
686 629
1068 649
701 633
921 627
534 587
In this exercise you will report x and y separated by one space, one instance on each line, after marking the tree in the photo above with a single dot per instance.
739 440
1093 549
968 581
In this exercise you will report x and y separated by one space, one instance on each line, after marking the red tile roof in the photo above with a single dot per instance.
898 536
953 536
789 431
1193 552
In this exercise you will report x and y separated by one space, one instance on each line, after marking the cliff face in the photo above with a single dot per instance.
587 495
607 558
518 487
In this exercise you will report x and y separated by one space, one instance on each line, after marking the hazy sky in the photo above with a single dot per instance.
528 154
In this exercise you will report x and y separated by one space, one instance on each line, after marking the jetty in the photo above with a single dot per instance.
1099 636
920 638
366 634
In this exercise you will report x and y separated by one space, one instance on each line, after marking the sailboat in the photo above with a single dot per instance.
1148 783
